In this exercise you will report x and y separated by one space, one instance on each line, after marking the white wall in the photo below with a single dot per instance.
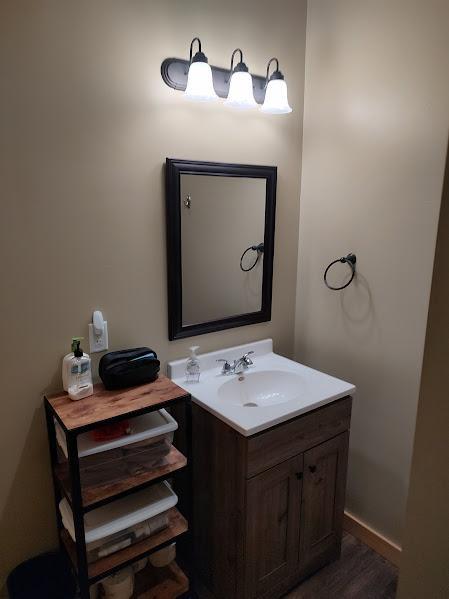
86 124
375 132
425 561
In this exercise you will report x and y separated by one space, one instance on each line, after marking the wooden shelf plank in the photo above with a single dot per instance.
104 405
160 583
177 526
92 495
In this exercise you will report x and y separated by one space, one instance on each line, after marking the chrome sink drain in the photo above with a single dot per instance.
250 404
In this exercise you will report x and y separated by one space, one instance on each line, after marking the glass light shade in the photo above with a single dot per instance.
276 101
199 83
241 91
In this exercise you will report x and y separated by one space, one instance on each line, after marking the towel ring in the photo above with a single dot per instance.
349 259
255 248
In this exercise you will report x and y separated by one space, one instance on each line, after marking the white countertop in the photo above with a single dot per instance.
311 389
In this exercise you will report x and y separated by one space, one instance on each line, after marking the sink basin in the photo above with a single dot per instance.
261 389
274 389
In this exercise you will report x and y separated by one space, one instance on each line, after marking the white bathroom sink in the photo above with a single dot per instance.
272 390
261 389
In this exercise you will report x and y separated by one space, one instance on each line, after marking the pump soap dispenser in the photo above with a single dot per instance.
193 366
80 373
67 363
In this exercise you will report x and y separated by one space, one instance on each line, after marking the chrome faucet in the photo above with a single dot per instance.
243 363
238 366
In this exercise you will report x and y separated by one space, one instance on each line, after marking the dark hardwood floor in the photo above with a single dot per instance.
360 573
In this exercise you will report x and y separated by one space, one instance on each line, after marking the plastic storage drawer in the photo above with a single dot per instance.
123 522
107 461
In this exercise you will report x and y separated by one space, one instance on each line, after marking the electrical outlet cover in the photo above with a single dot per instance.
98 343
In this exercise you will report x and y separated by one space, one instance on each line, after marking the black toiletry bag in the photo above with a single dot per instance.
128 367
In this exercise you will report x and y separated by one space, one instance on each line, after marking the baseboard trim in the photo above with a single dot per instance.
372 538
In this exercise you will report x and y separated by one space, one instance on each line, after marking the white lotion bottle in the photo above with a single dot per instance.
67 363
80 375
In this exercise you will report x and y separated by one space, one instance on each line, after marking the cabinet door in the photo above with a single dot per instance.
323 498
273 512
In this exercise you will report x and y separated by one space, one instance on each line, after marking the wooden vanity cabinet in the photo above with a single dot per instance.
273 525
268 509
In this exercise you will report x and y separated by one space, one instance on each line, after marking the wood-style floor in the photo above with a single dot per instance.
360 573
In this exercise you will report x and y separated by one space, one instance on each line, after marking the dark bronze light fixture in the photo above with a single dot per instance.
276 100
240 93
240 89
200 85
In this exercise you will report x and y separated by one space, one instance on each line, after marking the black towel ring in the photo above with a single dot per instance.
255 248
349 259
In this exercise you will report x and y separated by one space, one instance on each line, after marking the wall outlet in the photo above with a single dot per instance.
98 342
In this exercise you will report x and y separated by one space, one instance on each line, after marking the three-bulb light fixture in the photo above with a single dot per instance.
237 85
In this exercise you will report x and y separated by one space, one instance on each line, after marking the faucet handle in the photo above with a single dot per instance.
227 368
246 359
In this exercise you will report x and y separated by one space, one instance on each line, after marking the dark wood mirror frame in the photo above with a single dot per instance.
173 171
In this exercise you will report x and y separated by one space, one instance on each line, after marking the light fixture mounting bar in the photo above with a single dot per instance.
174 73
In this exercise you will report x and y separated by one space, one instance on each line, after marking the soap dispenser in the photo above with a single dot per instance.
80 375
67 363
193 366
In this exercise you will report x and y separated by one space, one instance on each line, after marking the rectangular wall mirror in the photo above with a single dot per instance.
220 243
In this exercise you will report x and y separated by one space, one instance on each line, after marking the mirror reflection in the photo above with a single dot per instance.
222 235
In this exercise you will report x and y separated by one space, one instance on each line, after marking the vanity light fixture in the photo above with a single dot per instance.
276 100
200 86
241 93
240 89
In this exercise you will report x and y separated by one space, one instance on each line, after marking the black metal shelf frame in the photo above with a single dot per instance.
81 568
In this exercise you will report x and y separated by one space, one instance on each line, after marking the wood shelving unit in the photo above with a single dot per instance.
161 583
94 496
105 407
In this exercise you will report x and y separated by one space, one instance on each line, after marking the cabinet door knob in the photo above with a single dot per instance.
312 469
299 475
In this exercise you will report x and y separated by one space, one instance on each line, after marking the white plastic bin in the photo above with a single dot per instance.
123 522
103 462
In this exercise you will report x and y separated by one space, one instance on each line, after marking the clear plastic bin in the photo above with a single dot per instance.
123 522
108 461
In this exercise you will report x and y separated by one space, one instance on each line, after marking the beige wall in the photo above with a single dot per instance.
86 124
425 561
376 123
227 215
